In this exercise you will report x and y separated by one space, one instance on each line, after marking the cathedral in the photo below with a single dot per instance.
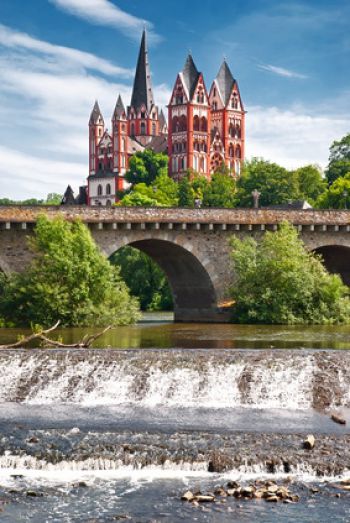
203 130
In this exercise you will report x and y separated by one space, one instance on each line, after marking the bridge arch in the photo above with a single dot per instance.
191 278
336 259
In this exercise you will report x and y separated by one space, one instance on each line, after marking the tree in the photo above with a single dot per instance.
69 280
278 281
311 183
162 193
145 166
275 184
337 195
144 278
186 193
221 191
339 159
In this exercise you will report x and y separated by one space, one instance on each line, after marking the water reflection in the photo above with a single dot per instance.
158 331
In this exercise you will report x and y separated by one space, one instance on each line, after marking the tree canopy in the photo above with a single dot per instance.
337 195
277 281
339 159
144 278
162 193
311 183
68 280
145 166
275 184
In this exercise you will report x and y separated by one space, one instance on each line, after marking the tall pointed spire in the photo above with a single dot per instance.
190 75
119 110
142 93
225 82
96 114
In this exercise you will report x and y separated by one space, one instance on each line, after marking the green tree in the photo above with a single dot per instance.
221 191
278 281
311 183
144 278
53 198
162 193
275 184
186 193
337 195
68 280
145 166
339 159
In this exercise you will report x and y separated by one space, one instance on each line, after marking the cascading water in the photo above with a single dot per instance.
201 379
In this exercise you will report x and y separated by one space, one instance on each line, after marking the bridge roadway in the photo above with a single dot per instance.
191 245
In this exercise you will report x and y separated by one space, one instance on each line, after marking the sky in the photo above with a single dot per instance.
291 60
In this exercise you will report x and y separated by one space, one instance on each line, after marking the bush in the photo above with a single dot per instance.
68 280
278 282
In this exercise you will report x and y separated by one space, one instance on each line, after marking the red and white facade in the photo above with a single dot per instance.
205 129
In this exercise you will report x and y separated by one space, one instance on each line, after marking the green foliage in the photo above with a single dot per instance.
277 281
339 159
337 195
144 278
145 166
221 191
311 183
69 280
186 193
275 183
52 199
162 193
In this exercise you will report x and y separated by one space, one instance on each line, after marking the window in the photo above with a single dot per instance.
108 188
204 124
183 123
238 151
99 190
154 129
132 129
231 151
196 123
175 126
143 115
108 203
143 128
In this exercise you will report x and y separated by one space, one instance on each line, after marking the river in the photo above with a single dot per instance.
120 431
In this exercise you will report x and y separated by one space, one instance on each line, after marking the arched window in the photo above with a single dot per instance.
196 123
175 124
99 190
132 129
154 129
234 101
143 115
231 151
108 188
182 164
204 126
238 131
231 131
184 146
108 203
183 123
238 151
143 128
215 106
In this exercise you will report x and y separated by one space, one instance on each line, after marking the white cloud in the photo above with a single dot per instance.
293 137
13 39
281 71
104 12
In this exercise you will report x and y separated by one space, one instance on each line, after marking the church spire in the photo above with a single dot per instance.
142 93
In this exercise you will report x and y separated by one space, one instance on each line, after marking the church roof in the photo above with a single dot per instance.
68 197
162 120
119 109
225 82
142 93
190 75
95 114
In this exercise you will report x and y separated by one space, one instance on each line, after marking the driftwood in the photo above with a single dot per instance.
85 343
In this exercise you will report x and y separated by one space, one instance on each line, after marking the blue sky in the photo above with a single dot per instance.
291 60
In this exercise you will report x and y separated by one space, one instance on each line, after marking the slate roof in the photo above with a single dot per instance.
68 197
119 109
225 82
162 120
95 114
142 93
190 76
159 144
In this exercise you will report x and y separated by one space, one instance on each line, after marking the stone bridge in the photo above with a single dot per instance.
190 245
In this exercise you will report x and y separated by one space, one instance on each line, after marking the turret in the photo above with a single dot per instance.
96 131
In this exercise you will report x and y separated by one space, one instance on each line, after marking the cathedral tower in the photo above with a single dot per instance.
227 122
142 112
189 123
